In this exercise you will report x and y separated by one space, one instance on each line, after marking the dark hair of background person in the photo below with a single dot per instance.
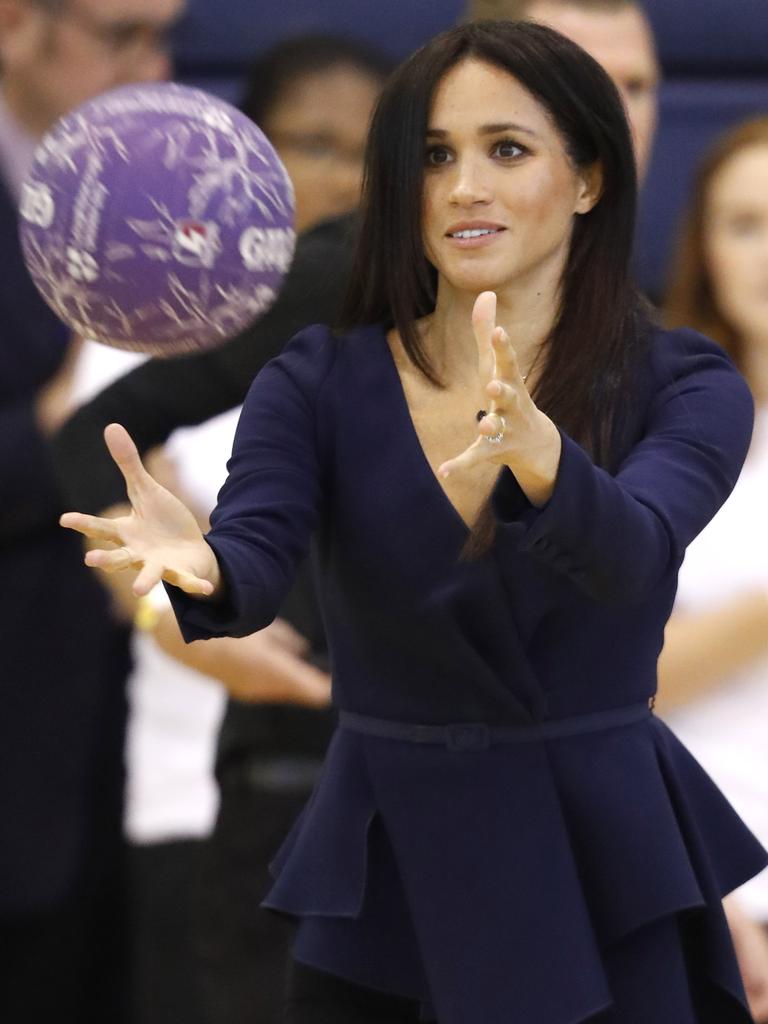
513 10
279 67
598 335
690 298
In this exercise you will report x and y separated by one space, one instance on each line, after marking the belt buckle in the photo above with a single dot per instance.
467 736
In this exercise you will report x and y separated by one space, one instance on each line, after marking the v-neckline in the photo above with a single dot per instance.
402 398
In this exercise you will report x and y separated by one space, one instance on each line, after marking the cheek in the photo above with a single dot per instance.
731 268
543 204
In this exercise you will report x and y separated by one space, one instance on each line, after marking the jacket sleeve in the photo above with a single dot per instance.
163 394
618 537
268 507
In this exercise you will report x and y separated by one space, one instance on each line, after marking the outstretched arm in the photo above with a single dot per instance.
159 537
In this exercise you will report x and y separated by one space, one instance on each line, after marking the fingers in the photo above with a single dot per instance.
95 527
472 456
484 321
110 561
186 581
153 573
492 425
507 367
126 455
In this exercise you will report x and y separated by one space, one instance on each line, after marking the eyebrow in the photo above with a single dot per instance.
487 129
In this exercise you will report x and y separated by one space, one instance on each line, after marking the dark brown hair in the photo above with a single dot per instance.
600 328
279 68
690 299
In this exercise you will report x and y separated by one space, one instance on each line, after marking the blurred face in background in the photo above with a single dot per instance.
319 126
736 242
56 54
623 43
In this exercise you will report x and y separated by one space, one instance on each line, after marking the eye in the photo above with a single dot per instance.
506 149
636 88
745 225
437 156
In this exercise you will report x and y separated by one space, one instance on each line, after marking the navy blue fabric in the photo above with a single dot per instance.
63 659
545 853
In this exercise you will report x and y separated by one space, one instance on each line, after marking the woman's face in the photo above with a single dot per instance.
319 127
500 192
736 241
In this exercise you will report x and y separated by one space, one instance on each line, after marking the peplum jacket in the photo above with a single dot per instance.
484 867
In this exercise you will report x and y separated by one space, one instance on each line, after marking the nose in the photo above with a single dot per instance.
470 185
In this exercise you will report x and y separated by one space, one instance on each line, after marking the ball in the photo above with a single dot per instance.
157 218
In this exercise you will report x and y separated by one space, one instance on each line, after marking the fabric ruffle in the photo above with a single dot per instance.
489 884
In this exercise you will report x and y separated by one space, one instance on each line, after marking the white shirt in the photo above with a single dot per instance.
175 712
727 729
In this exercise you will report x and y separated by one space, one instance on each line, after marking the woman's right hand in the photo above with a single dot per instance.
160 537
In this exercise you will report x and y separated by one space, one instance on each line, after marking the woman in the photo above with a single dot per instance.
713 672
501 489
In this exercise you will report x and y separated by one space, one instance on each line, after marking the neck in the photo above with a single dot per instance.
756 367
526 315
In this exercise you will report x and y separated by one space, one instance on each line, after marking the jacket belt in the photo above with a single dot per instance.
461 736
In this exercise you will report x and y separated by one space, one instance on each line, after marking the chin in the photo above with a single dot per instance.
476 281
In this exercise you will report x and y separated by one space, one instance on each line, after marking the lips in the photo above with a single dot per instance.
473 229
469 235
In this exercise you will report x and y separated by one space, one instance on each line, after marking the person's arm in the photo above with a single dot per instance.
617 537
704 648
751 945
262 525
266 667
268 508
161 395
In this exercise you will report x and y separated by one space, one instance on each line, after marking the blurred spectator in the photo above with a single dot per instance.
64 657
313 97
204 951
714 666
617 34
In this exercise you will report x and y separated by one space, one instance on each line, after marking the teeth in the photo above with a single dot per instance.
474 233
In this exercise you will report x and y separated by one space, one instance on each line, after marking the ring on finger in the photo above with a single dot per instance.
499 437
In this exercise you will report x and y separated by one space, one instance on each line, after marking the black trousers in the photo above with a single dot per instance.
318 998
654 975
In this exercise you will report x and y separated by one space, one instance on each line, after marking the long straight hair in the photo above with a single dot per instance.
691 298
600 328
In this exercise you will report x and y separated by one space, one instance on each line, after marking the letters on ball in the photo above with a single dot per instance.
157 218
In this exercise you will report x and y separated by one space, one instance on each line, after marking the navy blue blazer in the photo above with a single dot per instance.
63 659
484 867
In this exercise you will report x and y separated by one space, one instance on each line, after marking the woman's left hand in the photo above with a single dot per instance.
514 432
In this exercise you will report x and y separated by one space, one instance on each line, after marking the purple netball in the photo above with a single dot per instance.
157 218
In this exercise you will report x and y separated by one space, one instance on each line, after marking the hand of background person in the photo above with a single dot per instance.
529 442
160 537
751 944
266 667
